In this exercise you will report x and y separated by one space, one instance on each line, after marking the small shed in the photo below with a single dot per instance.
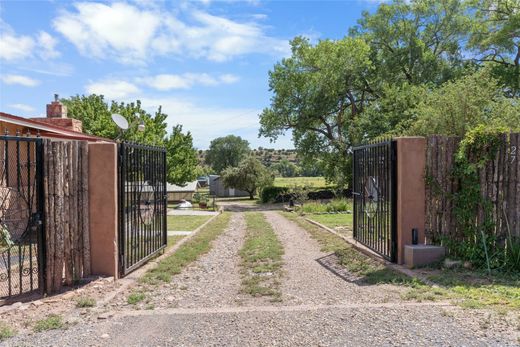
216 187
178 193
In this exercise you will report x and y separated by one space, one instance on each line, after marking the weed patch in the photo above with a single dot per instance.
52 322
85 302
135 298
6 331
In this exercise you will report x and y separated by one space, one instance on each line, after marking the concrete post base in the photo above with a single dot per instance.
420 255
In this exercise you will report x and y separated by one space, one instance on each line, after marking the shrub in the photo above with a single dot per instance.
272 194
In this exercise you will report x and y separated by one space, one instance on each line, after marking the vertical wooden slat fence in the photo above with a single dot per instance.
499 182
66 212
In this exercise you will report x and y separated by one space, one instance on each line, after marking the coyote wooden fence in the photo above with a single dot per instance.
499 182
66 212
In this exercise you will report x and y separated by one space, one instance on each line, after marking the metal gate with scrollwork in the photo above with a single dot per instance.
142 204
22 243
375 196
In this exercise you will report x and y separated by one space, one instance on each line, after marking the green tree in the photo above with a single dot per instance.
461 105
495 37
226 152
416 41
95 114
250 175
181 157
318 92
286 169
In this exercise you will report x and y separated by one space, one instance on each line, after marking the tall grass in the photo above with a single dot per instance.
336 205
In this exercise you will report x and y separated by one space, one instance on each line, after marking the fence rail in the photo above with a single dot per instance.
499 182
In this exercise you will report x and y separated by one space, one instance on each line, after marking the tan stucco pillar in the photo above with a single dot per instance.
103 208
411 160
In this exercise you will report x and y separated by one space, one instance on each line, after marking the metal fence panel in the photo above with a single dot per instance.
22 250
142 204
375 196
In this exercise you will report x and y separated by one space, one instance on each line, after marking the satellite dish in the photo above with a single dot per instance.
120 121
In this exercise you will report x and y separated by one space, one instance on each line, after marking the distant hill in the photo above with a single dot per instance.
268 156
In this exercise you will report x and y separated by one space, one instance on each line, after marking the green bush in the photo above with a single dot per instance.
336 205
269 194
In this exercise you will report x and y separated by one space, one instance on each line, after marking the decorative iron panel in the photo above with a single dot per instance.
142 204
21 216
375 196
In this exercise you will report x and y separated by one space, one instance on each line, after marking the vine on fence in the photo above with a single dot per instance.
473 210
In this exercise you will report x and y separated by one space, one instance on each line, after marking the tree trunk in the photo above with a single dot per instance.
251 196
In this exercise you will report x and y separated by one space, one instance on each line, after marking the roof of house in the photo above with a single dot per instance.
189 187
47 130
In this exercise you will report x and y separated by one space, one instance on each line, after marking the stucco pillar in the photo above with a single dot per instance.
411 161
103 208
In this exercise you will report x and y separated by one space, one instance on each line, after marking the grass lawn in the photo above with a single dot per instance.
186 223
333 220
261 258
300 181
188 252
172 240
468 289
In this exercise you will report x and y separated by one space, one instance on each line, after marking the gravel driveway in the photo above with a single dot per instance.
203 306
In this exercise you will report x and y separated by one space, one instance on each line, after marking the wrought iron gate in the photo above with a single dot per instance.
22 246
142 204
375 196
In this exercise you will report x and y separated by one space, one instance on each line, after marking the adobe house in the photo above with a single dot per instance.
56 125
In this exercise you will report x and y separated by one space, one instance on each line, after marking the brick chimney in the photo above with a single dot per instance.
56 109
57 115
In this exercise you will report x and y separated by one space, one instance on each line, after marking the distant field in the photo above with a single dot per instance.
300 181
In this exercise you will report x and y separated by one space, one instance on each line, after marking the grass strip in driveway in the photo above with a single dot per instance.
186 223
187 252
261 258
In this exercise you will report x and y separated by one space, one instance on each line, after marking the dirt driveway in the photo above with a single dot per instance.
203 306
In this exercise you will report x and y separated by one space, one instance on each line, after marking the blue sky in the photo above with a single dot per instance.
205 62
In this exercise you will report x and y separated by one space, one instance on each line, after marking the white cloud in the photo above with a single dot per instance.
112 89
118 29
186 81
15 47
133 34
19 79
22 107
47 46
229 78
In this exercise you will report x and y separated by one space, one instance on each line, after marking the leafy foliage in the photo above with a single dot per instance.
411 67
95 114
181 157
495 37
474 214
459 106
226 152
318 91
249 176
287 169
